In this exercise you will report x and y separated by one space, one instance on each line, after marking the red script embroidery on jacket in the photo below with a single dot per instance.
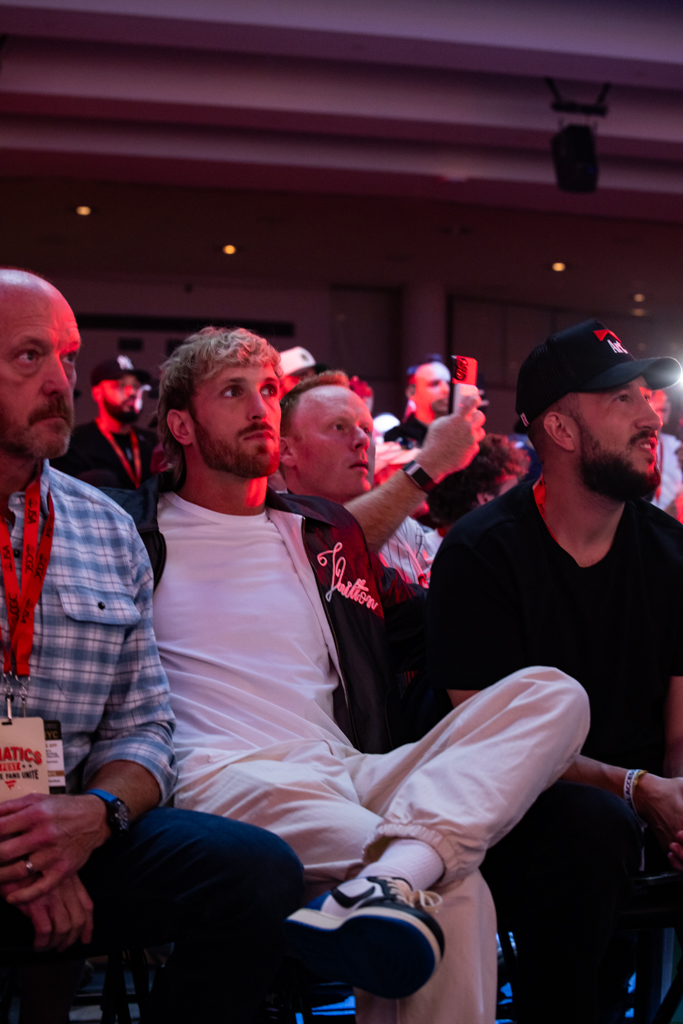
357 591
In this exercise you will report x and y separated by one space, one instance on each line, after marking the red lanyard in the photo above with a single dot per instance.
539 498
21 605
136 476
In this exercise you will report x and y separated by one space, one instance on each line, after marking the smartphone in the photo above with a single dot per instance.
463 381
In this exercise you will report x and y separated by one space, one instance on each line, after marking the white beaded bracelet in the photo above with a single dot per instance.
631 780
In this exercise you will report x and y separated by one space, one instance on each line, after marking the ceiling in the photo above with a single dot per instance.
438 100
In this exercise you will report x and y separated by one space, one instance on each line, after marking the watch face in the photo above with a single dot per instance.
121 818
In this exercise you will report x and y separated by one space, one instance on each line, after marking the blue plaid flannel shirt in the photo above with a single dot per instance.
95 665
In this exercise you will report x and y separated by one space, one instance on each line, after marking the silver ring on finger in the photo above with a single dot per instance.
29 866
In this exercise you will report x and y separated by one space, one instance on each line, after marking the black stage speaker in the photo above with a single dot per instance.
576 164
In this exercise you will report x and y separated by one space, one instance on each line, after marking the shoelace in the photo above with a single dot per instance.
424 899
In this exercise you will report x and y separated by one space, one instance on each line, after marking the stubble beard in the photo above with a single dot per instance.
230 458
21 442
611 474
120 414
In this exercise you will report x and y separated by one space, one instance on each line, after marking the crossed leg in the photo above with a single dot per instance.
460 789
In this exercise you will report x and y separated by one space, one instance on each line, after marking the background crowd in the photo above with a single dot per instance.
116 451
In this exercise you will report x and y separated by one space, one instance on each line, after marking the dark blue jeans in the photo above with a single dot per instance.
218 889
559 880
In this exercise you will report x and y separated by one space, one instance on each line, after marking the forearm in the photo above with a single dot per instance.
595 773
658 801
450 445
129 781
380 512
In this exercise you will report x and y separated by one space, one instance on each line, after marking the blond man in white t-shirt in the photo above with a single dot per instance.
281 636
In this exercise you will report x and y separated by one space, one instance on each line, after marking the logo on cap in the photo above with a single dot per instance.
615 345
124 363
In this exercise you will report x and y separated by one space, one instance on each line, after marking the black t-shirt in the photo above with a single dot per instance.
504 595
91 458
410 433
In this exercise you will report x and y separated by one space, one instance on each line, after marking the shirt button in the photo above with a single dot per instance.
101 605
17 552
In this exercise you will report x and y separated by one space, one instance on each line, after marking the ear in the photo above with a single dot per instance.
181 425
410 391
287 452
96 393
563 430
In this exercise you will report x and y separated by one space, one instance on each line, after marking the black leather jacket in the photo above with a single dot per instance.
379 638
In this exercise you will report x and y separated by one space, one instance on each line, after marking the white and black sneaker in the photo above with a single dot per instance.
372 933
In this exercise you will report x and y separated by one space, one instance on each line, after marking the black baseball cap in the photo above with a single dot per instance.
115 369
586 357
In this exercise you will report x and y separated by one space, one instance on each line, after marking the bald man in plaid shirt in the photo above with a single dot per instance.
103 866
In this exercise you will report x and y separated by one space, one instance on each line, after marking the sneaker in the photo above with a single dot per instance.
382 939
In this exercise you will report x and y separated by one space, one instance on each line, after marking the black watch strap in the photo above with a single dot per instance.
417 474
118 815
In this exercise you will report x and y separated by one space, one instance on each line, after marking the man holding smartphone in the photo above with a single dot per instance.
327 450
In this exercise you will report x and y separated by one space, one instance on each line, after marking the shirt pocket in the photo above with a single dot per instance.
88 644
83 631
99 607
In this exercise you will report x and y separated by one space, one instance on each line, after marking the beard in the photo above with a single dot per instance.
21 441
611 474
230 458
120 414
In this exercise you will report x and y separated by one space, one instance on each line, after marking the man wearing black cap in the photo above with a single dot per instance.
108 452
580 573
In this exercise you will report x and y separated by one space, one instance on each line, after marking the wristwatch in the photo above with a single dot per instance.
417 474
118 815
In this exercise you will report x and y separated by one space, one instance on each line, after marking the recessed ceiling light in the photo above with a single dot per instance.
559 267
638 311
84 211
639 297
229 250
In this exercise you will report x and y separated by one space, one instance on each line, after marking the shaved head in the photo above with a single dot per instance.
22 293
38 345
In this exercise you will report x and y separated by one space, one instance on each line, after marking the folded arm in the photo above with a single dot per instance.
658 799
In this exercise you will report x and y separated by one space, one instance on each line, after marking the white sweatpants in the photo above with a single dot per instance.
461 788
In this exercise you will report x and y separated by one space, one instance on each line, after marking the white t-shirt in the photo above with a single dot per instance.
672 480
241 633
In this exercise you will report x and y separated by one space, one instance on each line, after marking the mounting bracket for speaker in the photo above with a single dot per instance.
563 106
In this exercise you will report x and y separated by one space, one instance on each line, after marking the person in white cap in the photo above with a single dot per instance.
297 364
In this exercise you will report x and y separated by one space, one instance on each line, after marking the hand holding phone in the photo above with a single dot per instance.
463 381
